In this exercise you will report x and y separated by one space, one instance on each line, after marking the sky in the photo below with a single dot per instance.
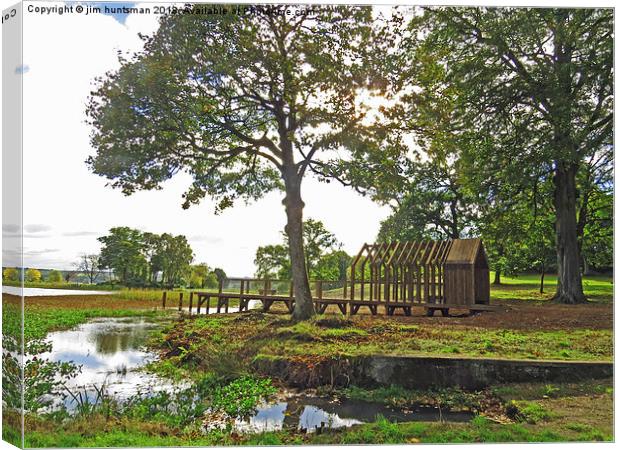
66 207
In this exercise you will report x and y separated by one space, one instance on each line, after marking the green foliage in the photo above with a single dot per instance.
530 107
272 261
33 276
431 203
138 258
240 397
201 276
54 276
323 259
530 412
10 274
225 132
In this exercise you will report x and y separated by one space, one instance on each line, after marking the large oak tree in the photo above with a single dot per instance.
245 102
534 90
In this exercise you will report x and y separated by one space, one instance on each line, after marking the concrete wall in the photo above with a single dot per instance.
426 372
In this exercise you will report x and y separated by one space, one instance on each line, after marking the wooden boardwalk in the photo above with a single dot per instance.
204 302
394 276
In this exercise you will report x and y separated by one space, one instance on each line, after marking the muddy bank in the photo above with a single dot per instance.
425 372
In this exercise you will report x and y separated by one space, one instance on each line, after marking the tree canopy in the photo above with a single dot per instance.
519 103
244 103
139 258
324 260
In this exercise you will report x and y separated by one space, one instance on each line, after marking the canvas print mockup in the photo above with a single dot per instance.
309 224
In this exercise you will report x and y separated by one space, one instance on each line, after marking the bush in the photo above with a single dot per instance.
33 275
54 276
240 397
10 274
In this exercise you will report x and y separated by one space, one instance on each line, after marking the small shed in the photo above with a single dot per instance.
466 274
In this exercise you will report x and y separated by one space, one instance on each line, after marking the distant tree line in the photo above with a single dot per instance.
32 275
140 258
132 258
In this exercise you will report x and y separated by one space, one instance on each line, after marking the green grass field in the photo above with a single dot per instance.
598 288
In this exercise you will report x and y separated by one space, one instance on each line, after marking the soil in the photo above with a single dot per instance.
511 314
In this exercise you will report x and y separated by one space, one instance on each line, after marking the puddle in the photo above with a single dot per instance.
110 350
310 413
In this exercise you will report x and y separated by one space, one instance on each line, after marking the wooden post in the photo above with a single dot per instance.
200 297
318 287
180 300
191 301
362 282
163 299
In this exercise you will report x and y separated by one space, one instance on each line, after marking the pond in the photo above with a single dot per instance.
42 292
111 352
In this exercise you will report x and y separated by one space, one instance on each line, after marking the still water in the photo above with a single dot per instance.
42 292
111 352
309 413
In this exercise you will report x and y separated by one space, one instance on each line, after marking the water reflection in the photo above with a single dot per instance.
109 351
312 413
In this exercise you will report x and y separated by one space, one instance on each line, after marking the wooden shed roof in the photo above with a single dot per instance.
465 251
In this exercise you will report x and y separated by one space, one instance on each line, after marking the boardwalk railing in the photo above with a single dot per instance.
397 275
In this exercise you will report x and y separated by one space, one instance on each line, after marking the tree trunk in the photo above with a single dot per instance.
304 308
586 267
497 279
542 279
569 288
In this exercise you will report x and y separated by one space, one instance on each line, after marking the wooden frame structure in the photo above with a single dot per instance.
434 275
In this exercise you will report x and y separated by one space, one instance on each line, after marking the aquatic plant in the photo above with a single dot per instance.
240 397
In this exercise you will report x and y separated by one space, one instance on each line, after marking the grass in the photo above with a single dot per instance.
598 288
270 335
381 431
40 321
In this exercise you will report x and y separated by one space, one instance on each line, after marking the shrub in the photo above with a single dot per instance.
240 397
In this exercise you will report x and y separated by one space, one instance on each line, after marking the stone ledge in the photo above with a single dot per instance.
422 372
